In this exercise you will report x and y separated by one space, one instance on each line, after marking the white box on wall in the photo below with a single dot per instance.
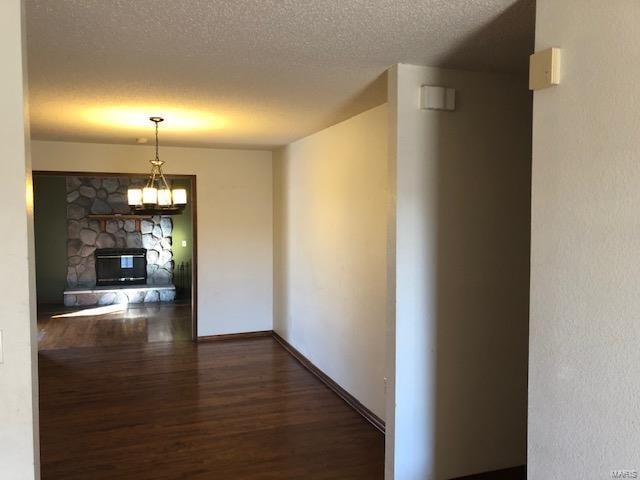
544 69
437 98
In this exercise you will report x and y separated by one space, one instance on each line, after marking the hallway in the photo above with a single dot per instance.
233 409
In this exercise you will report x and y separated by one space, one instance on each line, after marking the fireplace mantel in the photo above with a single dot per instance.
118 216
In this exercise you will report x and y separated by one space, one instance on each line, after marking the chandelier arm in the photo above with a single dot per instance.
150 179
162 178
166 184
157 173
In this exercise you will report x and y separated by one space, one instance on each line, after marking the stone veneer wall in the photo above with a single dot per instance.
96 195
74 298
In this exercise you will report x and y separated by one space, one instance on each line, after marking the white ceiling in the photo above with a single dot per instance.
246 72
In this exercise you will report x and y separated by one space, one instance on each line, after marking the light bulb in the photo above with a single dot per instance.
150 196
179 196
164 197
134 196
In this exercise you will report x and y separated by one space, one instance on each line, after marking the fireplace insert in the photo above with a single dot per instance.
121 266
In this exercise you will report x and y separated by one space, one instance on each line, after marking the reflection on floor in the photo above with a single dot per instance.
227 410
100 326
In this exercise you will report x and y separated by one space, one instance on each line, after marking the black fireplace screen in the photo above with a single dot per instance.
121 266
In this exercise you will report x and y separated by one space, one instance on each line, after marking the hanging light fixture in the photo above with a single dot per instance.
157 197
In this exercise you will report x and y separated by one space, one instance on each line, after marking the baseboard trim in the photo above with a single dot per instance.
515 473
368 415
234 336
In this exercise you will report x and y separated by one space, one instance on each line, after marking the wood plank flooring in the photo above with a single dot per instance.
229 410
137 325
515 473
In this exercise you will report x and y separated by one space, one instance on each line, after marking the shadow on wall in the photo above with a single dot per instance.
481 240
282 267
371 96
521 16
481 299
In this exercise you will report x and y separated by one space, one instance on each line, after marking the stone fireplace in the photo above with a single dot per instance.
98 220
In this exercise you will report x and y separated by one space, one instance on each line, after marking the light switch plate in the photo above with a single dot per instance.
544 69
184 243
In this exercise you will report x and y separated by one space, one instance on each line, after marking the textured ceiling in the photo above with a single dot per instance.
246 72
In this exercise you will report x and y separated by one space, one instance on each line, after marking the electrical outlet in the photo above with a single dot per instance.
184 243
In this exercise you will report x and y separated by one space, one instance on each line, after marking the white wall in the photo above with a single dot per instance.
584 394
18 361
235 234
459 351
331 194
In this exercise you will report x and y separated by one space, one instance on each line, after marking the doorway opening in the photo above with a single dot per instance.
106 277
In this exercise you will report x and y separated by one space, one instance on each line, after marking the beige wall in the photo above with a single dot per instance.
235 251
18 361
458 348
330 295
584 394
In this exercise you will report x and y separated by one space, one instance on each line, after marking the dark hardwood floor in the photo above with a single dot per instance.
230 410
515 473
136 325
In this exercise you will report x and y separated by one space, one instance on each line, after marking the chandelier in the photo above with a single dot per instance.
157 197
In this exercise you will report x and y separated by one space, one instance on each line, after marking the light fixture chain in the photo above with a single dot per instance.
157 156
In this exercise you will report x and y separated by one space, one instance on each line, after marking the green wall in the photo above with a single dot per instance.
50 225
183 229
